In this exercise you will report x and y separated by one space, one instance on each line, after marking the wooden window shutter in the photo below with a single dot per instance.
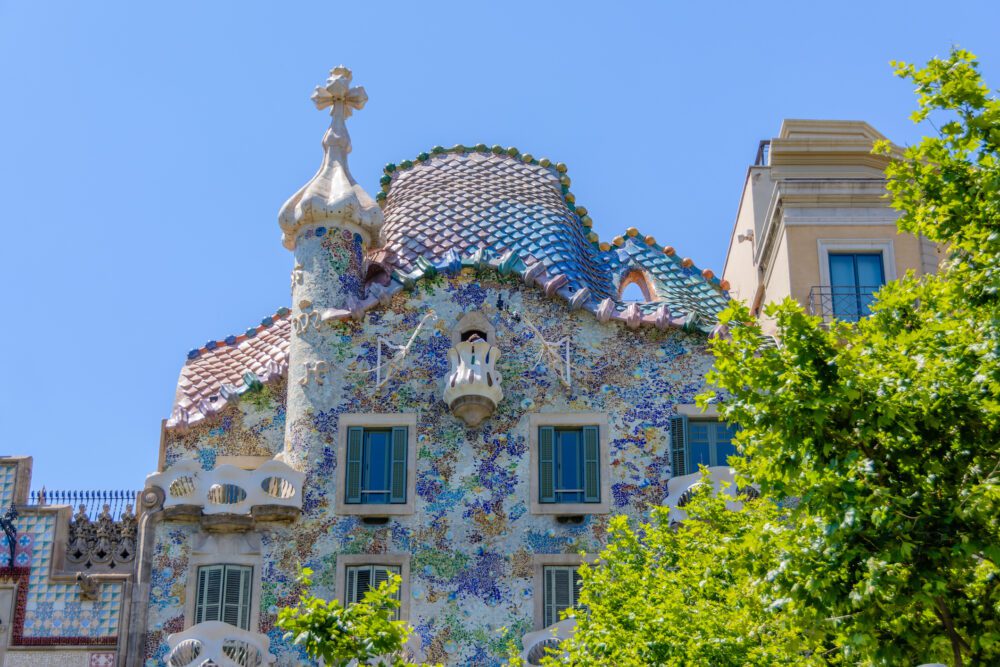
546 464
559 592
208 605
591 465
236 596
355 440
678 445
400 437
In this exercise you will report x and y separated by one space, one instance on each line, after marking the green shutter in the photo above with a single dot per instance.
678 445
236 596
355 438
398 471
209 597
546 464
351 594
559 592
591 465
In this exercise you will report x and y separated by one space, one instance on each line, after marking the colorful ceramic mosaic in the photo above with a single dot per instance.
472 538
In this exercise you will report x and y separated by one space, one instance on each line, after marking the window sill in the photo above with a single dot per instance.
569 509
388 509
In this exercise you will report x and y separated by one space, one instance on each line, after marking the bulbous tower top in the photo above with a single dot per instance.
332 197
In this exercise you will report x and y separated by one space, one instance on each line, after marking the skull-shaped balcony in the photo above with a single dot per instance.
472 390
214 643
229 497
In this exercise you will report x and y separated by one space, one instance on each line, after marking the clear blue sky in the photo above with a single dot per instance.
145 148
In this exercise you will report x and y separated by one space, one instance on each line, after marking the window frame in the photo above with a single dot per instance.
199 593
401 561
376 422
871 246
569 420
686 414
541 562
393 569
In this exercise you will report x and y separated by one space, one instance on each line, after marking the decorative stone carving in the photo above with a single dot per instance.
89 586
228 489
104 545
216 643
333 196
472 388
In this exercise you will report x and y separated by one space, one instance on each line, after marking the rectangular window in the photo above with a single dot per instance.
562 591
854 279
362 578
569 465
699 442
376 465
224 595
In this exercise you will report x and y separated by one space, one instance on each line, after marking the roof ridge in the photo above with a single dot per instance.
236 339
561 171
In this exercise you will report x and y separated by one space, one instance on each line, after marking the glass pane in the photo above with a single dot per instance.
699 446
842 270
569 466
870 277
724 443
375 478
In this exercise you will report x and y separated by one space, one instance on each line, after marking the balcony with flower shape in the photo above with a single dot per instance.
229 497
472 388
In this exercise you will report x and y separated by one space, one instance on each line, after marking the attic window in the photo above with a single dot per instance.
635 286
473 324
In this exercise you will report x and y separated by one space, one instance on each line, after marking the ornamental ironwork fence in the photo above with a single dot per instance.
847 303
93 501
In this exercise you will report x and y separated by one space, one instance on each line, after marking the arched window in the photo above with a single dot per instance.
473 324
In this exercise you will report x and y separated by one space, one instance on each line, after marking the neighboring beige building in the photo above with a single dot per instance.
814 223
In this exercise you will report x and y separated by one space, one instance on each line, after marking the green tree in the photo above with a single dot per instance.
888 430
365 631
687 596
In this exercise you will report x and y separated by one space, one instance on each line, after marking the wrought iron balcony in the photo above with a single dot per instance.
847 303
218 644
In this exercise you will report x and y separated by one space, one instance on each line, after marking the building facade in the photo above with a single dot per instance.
814 224
458 393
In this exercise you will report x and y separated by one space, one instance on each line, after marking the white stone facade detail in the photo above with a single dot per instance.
220 644
472 388
228 489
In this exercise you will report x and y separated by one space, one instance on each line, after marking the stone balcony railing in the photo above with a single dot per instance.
723 479
271 492
472 388
218 644
540 643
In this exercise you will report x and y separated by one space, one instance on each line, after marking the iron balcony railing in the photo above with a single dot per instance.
847 303
93 501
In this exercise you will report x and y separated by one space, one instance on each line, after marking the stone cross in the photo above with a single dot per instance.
339 94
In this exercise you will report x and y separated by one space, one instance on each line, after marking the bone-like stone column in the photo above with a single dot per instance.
328 225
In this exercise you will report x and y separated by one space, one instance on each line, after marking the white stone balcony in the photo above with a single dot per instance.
472 389
536 644
680 489
274 489
218 644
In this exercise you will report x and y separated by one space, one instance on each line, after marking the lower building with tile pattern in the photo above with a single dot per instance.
459 393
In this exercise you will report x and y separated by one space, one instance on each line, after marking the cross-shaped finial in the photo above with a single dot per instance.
337 93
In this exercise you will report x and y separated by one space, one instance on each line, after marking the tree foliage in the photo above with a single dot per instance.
688 596
365 631
888 430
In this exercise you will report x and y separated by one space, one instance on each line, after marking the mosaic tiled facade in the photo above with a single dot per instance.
381 289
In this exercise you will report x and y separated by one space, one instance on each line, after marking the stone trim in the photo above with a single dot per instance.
373 420
599 419
874 246
224 549
692 411
402 561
